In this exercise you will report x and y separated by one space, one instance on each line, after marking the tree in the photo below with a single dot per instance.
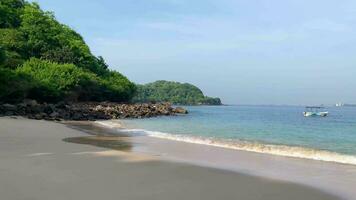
14 86
13 45
40 30
117 87
2 56
174 92
10 11
102 63
55 81
54 57
48 39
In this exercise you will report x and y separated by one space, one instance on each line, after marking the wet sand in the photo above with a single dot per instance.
38 160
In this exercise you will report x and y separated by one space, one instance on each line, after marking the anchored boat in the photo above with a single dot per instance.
315 111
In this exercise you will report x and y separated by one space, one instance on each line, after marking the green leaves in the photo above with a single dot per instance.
2 56
117 87
54 82
39 29
14 86
174 92
52 59
10 11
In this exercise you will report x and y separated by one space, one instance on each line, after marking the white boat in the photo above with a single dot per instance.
314 111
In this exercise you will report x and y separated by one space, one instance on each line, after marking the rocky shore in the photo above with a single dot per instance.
87 110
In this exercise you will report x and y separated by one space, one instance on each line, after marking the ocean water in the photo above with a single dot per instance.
279 130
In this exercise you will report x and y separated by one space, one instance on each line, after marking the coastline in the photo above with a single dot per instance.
338 178
34 151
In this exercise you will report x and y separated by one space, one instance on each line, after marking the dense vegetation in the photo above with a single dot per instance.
175 92
43 59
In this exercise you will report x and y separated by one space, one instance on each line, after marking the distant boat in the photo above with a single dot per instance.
314 111
339 104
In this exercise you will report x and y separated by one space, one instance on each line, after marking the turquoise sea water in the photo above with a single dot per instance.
281 130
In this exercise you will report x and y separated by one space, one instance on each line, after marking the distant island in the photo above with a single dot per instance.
174 92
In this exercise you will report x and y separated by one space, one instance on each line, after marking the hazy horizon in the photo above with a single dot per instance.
245 52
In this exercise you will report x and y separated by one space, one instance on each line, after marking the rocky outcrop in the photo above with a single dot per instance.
88 110
180 110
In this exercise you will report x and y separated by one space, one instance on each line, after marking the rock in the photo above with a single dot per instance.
77 116
36 109
54 115
9 107
30 102
61 104
9 113
88 110
180 110
49 108
37 116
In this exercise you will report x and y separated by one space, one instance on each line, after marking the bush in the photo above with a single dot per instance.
53 59
174 92
117 87
48 39
14 86
54 82
10 11
13 43
2 56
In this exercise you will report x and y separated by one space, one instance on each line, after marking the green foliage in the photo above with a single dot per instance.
14 86
54 81
39 29
38 34
10 11
174 92
48 39
13 45
211 101
117 87
2 56
54 58
12 40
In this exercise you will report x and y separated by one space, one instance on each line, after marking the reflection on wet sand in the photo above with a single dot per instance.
111 142
100 136
91 129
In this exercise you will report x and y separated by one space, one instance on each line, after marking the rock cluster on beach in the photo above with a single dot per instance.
88 110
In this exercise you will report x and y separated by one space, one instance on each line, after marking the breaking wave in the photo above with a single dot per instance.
280 150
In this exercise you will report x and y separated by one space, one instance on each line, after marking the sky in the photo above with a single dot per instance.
293 52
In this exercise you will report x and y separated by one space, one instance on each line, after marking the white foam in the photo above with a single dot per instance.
280 150
110 123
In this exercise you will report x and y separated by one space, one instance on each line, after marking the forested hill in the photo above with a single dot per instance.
42 59
175 92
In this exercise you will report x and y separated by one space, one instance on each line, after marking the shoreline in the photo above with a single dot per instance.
34 151
338 178
240 145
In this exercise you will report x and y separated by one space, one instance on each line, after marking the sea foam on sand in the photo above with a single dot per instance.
280 150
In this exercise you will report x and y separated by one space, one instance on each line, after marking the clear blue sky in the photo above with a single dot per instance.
244 51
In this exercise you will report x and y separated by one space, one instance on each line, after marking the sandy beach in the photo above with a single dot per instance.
38 160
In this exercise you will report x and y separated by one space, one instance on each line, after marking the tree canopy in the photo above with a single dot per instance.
42 59
54 58
175 92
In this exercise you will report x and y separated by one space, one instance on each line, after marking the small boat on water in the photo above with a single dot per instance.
315 111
